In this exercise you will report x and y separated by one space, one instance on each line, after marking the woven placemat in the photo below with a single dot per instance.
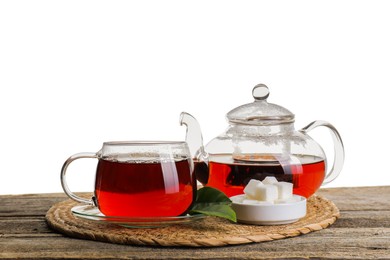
208 232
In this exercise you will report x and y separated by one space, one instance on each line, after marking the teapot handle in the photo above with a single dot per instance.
338 148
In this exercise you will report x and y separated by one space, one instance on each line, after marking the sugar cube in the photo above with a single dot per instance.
266 192
251 188
270 180
285 190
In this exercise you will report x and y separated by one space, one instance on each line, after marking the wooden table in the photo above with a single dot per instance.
362 232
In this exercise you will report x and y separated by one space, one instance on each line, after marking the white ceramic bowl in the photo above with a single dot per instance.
269 214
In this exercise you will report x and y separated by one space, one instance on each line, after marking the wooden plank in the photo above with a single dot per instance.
29 204
363 219
356 198
333 243
24 225
359 198
362 232
350 219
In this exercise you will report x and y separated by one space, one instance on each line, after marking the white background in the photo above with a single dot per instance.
76 73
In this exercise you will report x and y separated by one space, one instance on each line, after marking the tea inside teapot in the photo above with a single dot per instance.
261 141
230 174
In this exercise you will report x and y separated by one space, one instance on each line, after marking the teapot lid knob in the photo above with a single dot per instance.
260 92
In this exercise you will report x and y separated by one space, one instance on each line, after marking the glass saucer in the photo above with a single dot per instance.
92 213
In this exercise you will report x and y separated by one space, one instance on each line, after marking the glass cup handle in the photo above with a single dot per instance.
63 178
338 148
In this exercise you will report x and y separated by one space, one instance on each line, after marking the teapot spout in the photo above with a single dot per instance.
194 136
194 140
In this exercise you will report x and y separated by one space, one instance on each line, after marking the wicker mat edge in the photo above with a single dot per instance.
209 232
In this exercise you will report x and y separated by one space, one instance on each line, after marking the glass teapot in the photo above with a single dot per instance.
261 141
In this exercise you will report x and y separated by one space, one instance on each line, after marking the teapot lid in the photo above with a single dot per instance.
260 112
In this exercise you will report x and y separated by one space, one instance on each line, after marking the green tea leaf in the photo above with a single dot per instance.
212 202
209 195
223 211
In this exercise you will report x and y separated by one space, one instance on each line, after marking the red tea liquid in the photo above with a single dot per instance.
144 189
230 176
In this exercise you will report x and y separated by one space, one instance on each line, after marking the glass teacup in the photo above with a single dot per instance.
140 179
